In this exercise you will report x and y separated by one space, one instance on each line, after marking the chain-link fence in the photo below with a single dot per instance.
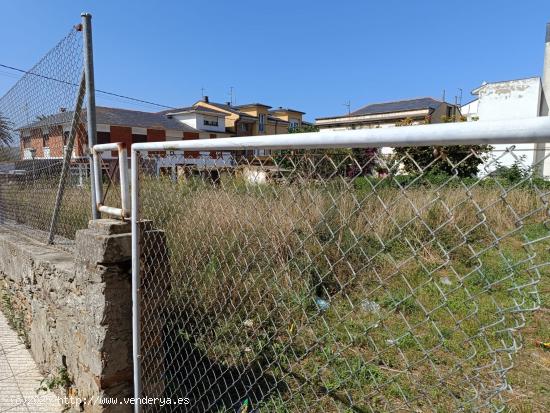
337 280
42 120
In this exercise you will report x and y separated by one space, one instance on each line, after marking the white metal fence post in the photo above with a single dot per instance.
136 330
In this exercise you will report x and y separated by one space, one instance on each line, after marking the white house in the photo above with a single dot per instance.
512 99
206 121
210 124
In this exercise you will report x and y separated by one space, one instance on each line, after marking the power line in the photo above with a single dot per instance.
97 90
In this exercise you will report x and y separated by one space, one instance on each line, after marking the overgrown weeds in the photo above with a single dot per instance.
450 268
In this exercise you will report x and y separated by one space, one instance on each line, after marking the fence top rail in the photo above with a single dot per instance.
532 130
104 147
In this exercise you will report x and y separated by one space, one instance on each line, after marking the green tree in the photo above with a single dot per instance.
514 173
366 162
303 129
313 163
463 160
5 131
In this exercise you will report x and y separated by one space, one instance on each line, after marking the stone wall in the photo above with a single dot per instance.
76 308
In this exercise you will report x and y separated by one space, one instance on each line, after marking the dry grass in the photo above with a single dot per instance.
248 262
30 202
529 378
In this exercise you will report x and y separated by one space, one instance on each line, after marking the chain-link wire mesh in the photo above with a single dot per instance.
37 115
337 280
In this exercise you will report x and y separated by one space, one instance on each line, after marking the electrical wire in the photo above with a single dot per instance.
97 90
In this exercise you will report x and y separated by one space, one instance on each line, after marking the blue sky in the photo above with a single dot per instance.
310 55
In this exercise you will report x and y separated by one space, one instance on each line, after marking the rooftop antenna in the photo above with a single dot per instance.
443 98
231 95
460 96
202 91
348 105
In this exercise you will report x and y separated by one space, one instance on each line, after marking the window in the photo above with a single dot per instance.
66 138
45 139
450 111
28 153
207 122
261 125
103 137
294 123
137 138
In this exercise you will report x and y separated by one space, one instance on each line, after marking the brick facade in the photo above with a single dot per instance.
55 138
156 135
49 141
189 136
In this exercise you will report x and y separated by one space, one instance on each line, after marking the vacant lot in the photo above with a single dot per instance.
336 295
348 296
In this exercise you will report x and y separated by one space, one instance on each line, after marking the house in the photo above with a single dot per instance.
210 123
250 119
389 114
292 116
506 100
47 137
511 99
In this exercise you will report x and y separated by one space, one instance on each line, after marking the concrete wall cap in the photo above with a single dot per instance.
109 226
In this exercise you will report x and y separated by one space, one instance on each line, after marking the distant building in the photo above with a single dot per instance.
506 100
205 120
389 114
511 99
249 119
47 137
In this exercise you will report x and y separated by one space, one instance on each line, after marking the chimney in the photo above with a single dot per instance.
62 109
228 103
540 148
205 99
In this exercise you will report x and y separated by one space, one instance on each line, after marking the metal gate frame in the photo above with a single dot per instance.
535 130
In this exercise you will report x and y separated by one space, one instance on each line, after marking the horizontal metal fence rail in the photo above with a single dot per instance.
465 133
340 284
